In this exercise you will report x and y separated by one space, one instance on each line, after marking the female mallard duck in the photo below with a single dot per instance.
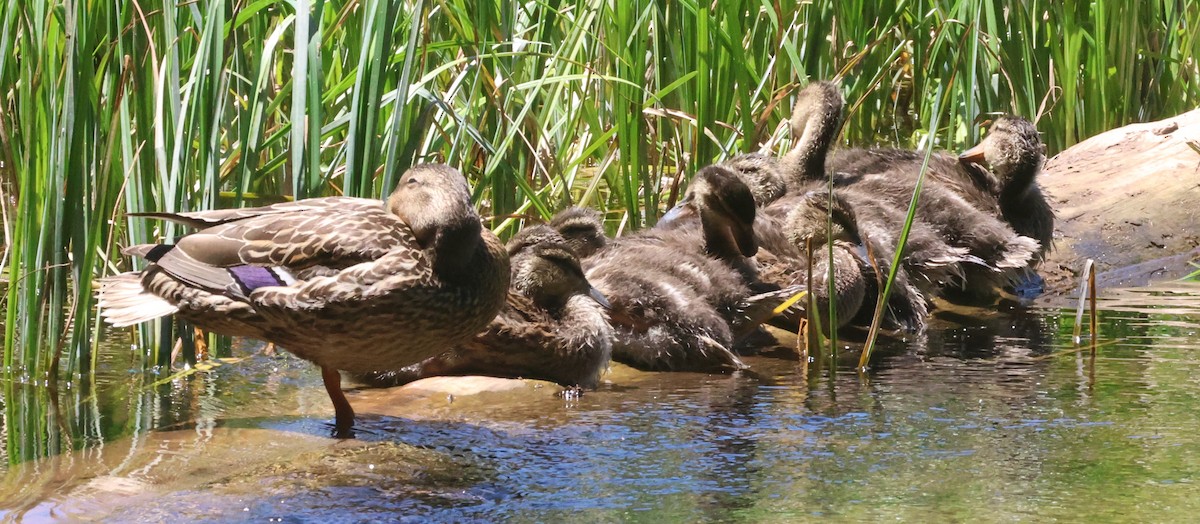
553 327
350 284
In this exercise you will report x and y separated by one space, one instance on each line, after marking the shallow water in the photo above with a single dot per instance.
991 416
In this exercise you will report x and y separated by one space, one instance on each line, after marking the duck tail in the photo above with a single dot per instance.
151 252
1018 252
124 302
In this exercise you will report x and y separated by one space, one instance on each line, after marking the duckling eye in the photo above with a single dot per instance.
413 181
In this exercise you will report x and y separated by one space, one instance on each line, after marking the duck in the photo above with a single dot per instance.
864 233
760 172
815 122
554 324
349 284
677 290
840 247
945 206
725 209
1014 152
582 228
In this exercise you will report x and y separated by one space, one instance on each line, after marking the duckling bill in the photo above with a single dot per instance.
350 284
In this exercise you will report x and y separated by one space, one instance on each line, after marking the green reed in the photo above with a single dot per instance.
115 107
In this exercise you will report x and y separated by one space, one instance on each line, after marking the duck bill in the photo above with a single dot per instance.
677 213
747 242
599 298
975 154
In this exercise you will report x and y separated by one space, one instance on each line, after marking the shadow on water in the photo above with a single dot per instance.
989 413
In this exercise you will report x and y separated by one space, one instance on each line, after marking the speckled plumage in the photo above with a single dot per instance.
363 285
552 327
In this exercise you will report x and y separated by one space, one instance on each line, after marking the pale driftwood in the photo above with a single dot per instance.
1129 199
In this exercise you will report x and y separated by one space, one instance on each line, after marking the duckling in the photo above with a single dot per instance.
676 289
1014 151
815 122
807 228
553 327
890 175
661 320
725 208
350 284
1012 148
762 174
865 233
582 229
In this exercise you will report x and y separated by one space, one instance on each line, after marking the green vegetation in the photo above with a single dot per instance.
110 107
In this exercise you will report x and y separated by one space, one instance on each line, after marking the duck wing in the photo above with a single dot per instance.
216 217
285 244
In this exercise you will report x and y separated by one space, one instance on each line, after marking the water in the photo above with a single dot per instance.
992 416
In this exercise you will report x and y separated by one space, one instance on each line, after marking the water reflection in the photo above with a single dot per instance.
990 415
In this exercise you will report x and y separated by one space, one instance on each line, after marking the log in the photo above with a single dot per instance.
1129 199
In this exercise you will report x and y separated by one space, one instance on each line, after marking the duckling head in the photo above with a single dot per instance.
582 229
815 121
726 208
545 269
820 219
1013 149
435 201
762 174
814 221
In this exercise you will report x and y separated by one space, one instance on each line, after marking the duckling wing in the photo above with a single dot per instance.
277 248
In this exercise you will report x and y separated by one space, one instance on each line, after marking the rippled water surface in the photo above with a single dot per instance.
988 417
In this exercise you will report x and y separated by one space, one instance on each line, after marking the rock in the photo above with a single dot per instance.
1128 199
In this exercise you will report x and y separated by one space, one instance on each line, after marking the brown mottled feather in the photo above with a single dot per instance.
367 294
551 327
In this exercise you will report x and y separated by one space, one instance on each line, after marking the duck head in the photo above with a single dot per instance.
435 202
545 269
726 210
819 218
582 229
817 222
816 119
1012 149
